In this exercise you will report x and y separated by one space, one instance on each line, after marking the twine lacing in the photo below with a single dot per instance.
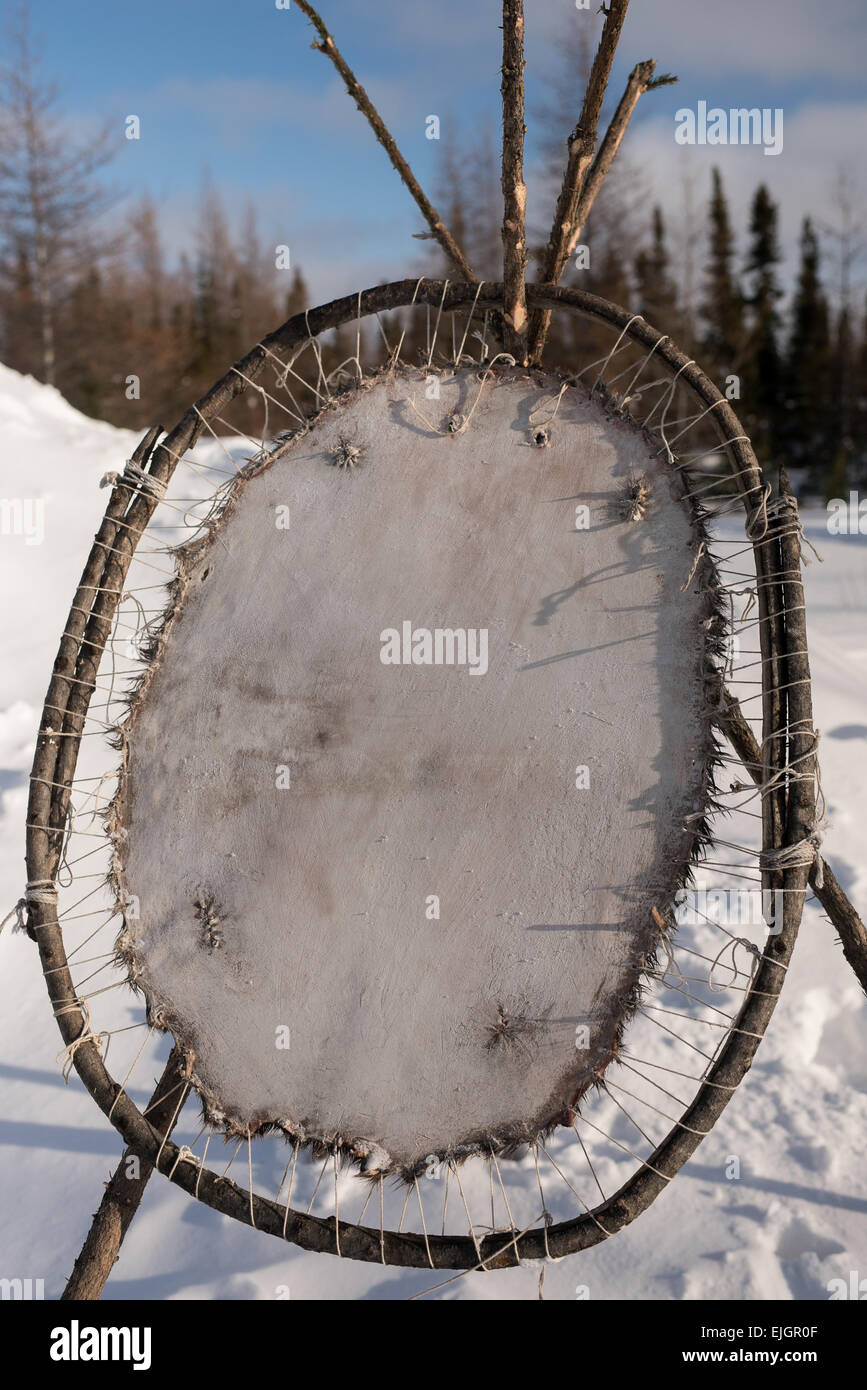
803 854
137 479
759 517
767 511
185 1155
695 564
732 945
66 1057
786 503
38 890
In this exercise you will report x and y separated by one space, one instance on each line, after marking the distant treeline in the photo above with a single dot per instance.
130 338
794 365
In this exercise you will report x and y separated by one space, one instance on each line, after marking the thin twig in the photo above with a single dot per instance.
640 80
514 188
366 107
585 174
582 143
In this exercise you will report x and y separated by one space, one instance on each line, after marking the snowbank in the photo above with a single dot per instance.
796 1217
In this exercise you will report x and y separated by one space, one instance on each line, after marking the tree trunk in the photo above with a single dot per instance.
123 1194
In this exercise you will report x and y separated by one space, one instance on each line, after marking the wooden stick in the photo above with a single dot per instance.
585 173
123 1194
852 932
582 143
775 693
366 107
514 188
641 80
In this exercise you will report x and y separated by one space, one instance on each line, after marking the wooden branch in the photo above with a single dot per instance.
584 179
775 691
851 930
366 107
514 188
640 81
582 143
842 914
123 1194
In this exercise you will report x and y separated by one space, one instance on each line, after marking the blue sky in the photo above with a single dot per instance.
232 88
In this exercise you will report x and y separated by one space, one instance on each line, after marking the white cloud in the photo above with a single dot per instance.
18 725
777 40
819 139
427 24
242 110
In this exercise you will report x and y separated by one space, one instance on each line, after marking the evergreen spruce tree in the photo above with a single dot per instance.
657 293
860 404
298 298
762 392
722 307
805 426
50 197
840 472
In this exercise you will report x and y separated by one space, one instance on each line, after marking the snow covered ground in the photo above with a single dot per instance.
794 1220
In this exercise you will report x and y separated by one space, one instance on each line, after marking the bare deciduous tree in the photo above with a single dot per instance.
49 197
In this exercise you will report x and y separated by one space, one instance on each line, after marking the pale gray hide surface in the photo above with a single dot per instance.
409 781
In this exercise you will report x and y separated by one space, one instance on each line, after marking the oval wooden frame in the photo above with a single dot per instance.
788 808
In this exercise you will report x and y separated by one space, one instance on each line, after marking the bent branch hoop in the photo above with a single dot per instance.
787 813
